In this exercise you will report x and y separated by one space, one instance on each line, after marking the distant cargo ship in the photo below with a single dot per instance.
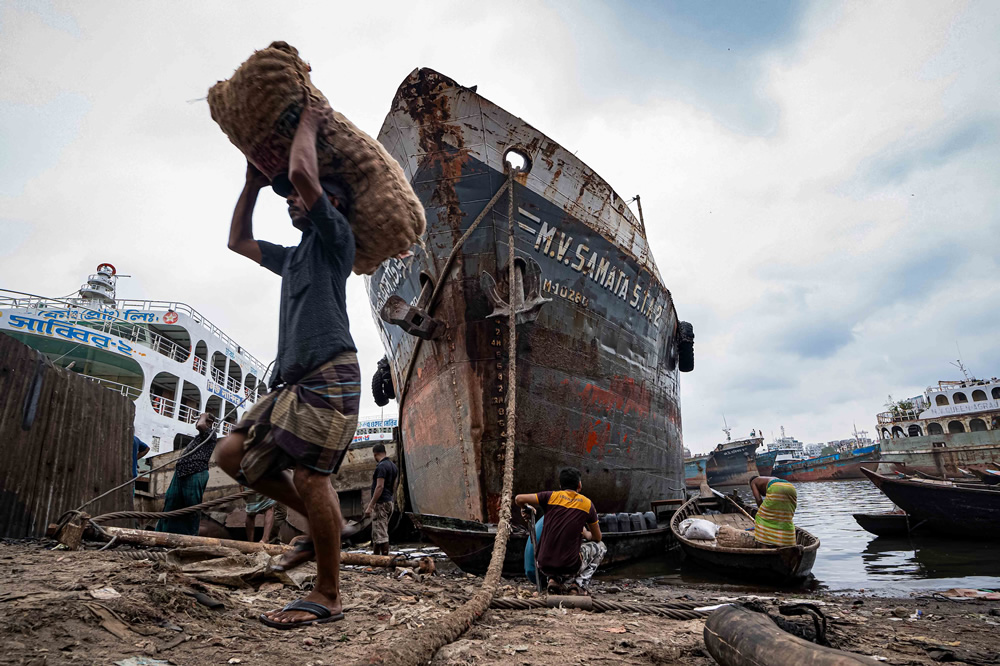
731 463
831 467
951 427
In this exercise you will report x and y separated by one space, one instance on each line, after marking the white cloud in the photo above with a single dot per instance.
770 243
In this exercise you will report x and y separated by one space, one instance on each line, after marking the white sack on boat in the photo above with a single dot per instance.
697 528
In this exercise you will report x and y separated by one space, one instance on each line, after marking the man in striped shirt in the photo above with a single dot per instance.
567 563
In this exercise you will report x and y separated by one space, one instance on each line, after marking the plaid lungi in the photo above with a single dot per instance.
310 423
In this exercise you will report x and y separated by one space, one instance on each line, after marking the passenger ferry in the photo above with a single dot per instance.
953 426
164 355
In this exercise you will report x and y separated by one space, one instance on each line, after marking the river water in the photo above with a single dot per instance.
851 559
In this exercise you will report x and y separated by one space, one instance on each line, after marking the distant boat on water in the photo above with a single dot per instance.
830 467
731 463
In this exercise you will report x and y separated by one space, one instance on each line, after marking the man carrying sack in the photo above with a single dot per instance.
292 440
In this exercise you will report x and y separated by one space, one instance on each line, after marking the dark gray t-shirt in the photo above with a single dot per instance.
312 322
385 469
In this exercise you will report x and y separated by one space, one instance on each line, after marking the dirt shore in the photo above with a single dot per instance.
89 607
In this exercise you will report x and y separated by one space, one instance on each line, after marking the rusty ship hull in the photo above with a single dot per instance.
597 340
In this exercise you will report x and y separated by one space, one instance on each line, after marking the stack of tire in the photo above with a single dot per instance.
613 523
382 389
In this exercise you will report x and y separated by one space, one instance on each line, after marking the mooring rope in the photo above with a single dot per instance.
680 611
442 276
121 515
422 647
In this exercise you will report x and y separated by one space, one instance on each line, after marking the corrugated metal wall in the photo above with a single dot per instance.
78 443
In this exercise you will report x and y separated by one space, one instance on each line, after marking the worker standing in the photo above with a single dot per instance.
380 506
190 478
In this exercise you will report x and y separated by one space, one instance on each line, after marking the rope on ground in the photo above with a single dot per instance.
121 515
434 636
684 611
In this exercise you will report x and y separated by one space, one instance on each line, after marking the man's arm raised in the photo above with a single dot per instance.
303 166
241 238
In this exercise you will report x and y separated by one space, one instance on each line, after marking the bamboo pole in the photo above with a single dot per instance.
168 540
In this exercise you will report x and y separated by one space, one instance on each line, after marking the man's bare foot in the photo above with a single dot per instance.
332 602
303 551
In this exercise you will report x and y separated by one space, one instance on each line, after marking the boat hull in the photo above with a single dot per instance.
829 468
944 507
597 382
887 524
943 455
469 544
733 466
765 463
694 472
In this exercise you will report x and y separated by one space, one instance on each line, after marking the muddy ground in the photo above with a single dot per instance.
56 608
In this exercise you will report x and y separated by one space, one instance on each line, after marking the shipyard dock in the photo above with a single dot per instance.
103 607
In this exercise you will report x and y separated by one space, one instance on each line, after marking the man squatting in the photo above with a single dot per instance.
567 564
292 440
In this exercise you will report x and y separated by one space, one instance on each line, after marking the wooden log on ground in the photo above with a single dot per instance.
168 540
736 636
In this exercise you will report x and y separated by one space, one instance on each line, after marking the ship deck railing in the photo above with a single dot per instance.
898 416
163 406
126 390
37 302
187 414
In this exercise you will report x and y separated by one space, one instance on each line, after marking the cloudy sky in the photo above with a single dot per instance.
821 182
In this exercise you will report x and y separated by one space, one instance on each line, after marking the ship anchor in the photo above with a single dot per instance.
524 298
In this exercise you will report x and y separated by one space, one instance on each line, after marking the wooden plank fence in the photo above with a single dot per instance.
64 439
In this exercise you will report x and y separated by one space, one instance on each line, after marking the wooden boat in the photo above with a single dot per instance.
469 543
988 476
964 509
788 564
892 523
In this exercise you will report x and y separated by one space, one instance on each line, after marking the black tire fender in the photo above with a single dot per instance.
685 346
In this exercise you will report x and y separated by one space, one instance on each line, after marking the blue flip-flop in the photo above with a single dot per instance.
322 613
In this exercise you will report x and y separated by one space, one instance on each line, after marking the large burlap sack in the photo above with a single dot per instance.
731 537
259 107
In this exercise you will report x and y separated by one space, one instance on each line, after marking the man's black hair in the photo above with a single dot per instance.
569 478
378 448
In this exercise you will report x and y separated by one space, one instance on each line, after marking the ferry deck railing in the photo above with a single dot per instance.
126 390
232 384
143 306
199 365
218 376
187 414
898 416
163 406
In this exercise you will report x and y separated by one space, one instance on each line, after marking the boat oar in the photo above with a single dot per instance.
726 497
534 548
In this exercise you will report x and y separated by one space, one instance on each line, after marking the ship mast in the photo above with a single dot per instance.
726 429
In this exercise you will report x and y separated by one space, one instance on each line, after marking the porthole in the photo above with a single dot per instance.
517 160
